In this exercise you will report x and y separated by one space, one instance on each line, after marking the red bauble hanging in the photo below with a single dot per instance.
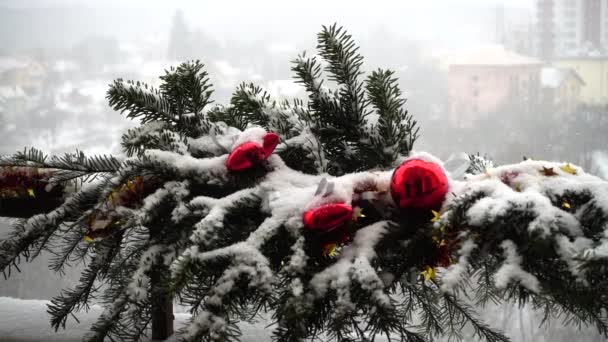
250 153
244 156
418 184
327 217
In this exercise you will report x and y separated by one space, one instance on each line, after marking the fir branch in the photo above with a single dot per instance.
153 135
187 88
479 164
31 235
396 130
76 299
72 247
337 47
457 315
108 322
250 101
70 166
134 323
420 300
141 102
322 102
61 307
251 105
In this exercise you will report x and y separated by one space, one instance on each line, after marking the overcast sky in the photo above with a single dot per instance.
228 4
435 21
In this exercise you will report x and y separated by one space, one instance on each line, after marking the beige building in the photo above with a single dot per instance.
561 89
26 74
594 72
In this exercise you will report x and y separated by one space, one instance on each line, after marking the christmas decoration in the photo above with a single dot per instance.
548 172
270 142
128 195
329 222
419 184
445 241
568 169
327 216
27 190
100 225
429 273
333 242
436 216
23 182
330 249
358 214
509 177
250 153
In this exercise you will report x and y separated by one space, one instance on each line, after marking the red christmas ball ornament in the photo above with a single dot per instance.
244 156
419 184
251 153
327 217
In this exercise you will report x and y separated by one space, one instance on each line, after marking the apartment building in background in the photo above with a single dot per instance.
566 28
491 79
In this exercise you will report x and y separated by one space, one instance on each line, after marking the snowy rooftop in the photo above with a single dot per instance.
34 68
551 77
492 55
588 57
65 65
11 92
10 63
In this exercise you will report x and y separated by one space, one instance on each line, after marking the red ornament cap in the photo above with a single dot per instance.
419 184
327 217
250 153
271 140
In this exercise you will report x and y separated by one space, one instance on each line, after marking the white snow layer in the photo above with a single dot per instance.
511 270
528 186
254 134
27 321
456 272
286 194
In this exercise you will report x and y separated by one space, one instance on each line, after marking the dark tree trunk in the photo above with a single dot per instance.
162 304
162 301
